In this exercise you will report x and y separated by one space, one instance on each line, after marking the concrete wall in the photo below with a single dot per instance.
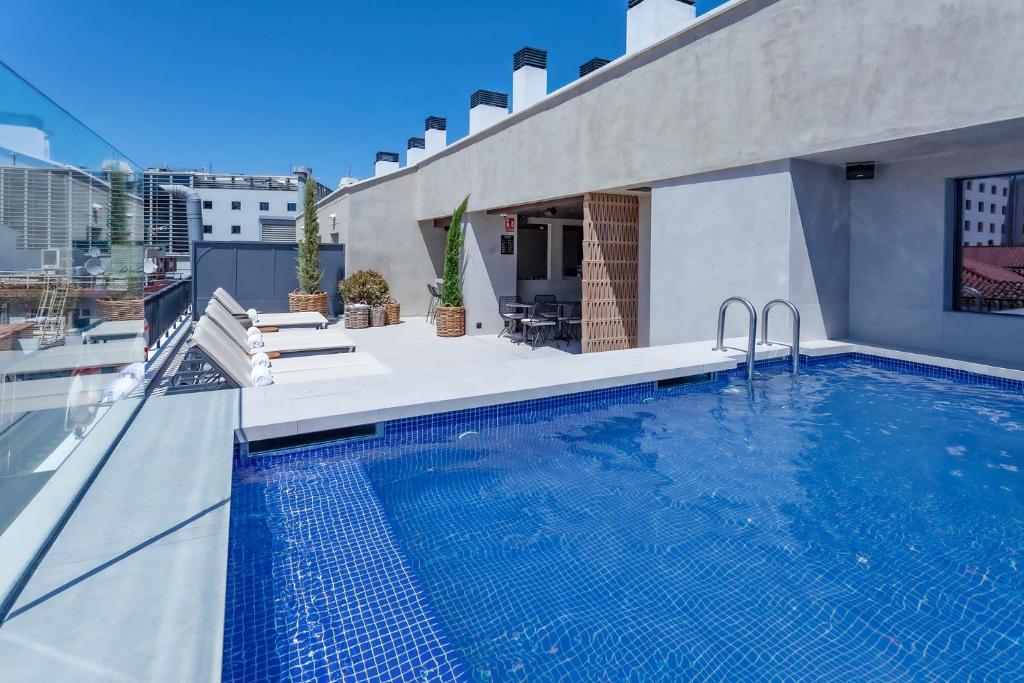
379 228
486 273
772 231
900 259
761 80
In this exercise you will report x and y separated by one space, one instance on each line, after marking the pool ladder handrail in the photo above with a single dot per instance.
751 330
794 348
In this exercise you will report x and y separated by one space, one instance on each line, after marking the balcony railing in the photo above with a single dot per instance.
164 308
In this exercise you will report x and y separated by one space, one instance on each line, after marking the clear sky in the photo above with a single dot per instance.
258 86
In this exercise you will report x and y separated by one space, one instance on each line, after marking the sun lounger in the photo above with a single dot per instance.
62 360
113 329
235 366
269 319
286 342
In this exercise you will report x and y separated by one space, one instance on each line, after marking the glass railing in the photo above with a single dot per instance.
74 275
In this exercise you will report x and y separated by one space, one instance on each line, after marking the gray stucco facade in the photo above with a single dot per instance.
741 126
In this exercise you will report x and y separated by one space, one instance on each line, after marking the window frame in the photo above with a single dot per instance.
207 204
264 204
236 205
236 229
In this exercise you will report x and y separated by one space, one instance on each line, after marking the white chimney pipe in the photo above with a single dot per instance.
387 162
648 21
529 77
486 108
416 151
435 135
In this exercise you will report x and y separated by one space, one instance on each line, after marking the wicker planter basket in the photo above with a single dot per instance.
357 316
393 311
121 309
450 321
377 316
308 303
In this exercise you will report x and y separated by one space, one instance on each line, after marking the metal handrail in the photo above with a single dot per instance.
751 332
794 349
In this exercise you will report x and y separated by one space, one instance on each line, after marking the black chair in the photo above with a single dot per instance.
511 316
545 299
435 299
543 321
573 323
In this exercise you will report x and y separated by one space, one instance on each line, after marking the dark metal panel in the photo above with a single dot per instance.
260 275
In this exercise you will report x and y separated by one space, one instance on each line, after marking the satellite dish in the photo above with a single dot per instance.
149 266
94 252
94 267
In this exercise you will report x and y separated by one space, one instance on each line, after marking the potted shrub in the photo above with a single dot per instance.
365 292
450 317
392 313
309 297
128 303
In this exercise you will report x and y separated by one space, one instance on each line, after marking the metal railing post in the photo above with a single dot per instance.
794 349
751 331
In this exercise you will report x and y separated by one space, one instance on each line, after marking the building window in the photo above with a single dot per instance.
207 229
236 229
207 204
986 277
236 206
292 206
981 187
264 206
572 251
532 252
1005 191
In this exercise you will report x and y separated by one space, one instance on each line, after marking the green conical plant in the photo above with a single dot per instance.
308 263
451 287
118 207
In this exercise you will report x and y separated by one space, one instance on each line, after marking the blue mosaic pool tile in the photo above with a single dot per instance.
318 590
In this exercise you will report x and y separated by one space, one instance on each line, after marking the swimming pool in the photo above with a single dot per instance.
861 521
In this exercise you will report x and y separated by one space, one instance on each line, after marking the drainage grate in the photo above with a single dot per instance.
367 431
684 381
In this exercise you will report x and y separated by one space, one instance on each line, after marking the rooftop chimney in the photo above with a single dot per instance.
593 65
387 162
648 21
486 108
529 77
435 134
417 151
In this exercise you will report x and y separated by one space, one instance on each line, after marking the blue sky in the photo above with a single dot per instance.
256 87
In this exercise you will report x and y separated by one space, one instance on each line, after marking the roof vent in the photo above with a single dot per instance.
417 151
648 21
593 65
486 108
387 162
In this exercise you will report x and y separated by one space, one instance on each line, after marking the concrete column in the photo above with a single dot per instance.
487 273
648 21
529 77
435 135
416 151
387 162
486 108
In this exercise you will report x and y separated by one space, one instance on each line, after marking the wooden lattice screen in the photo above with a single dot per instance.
611 226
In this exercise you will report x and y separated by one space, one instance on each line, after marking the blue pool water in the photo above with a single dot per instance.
857 522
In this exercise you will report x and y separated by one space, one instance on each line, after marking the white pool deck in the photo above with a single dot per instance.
133 589
432 375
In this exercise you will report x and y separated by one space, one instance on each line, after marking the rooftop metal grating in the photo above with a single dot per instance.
436 123
593 65
489 98
417 143
530 56
387 156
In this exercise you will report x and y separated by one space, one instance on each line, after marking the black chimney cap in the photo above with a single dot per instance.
436 123
530 56
387 156
417 143
593 65
633 3
489 98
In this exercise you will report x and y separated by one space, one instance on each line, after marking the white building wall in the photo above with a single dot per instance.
222 216
901 252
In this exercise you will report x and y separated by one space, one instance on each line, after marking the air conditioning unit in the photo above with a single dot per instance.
51 259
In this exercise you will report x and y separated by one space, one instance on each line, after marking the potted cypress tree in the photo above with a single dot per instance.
128 301
450 317
309 297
